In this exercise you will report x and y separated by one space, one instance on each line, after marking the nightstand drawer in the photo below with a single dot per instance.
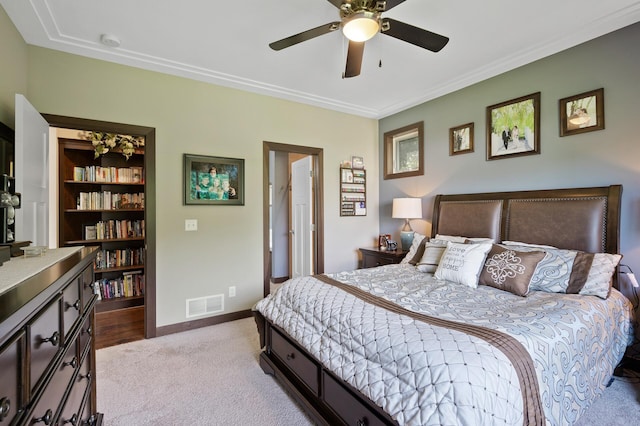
374 257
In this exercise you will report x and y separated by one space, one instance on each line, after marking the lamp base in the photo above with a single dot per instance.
406 239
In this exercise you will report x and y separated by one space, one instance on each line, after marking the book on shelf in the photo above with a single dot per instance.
130 284
109 259
104 174
78 174
90 232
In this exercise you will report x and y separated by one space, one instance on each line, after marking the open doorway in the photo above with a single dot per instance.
301 220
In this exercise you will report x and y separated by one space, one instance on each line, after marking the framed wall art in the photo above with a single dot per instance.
582 113
213 180
513 127
461 139
404 152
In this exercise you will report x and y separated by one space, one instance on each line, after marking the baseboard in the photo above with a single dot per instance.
203 322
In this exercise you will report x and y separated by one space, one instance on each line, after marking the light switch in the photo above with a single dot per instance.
191 224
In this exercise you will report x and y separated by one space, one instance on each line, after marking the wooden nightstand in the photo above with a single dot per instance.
372 257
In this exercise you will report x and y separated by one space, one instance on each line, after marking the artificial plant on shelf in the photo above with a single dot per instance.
104 142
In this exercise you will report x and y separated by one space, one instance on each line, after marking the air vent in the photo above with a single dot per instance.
205 305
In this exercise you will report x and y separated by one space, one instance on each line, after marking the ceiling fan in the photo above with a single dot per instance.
360 20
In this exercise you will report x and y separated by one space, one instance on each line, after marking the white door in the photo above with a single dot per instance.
301 217
32 174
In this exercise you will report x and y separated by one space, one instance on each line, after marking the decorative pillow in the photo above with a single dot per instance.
459 239
599 279
452 238
433 252
461 263
510 270
415 245
571 271
517 243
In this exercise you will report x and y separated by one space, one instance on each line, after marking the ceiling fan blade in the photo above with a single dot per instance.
304 36
337 3
414 35
354 59
393 3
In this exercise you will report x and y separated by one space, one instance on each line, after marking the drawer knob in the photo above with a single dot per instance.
73 363
89 331
291 356
54 339
73 420
87 376
76 305
5 407
46 419
362 422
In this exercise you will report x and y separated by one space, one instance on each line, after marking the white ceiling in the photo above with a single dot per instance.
226 43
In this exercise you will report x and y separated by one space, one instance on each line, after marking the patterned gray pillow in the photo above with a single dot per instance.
571 271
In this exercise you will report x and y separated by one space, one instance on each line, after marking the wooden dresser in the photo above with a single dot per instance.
47 350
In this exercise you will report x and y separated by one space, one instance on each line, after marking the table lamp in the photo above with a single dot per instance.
406 208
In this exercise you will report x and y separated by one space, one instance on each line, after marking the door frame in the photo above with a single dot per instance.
318 213
149 133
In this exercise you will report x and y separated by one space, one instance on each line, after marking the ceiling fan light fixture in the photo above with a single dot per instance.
361 26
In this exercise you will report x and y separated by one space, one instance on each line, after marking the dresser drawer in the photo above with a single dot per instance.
44 340
303 367
87 287
73 405
71 304
52 397
86 333
351 409
10 378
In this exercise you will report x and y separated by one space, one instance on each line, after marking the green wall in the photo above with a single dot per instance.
199 118
13 77
600 158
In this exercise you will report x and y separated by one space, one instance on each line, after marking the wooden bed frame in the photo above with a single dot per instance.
584 219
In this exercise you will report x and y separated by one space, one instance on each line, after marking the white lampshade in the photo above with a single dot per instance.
361 26
407 208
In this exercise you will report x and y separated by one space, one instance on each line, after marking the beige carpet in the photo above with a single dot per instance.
211 376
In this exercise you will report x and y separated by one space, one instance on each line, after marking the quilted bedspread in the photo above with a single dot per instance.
423 373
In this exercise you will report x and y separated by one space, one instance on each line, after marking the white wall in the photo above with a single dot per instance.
600 158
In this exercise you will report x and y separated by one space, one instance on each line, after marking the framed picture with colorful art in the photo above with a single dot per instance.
213 180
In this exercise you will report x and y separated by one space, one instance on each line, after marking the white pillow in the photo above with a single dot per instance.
433 252
452 238
517 243
460 239
417 239
462 263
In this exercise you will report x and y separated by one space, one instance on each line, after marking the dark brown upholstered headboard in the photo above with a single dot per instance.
586 219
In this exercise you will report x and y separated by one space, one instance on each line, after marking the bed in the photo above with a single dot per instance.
422 343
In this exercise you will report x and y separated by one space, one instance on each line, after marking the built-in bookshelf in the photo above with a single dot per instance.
353 192
102 203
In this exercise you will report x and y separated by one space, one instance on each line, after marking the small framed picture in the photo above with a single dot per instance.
513 127
357 162
213 180
582 113
461 139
